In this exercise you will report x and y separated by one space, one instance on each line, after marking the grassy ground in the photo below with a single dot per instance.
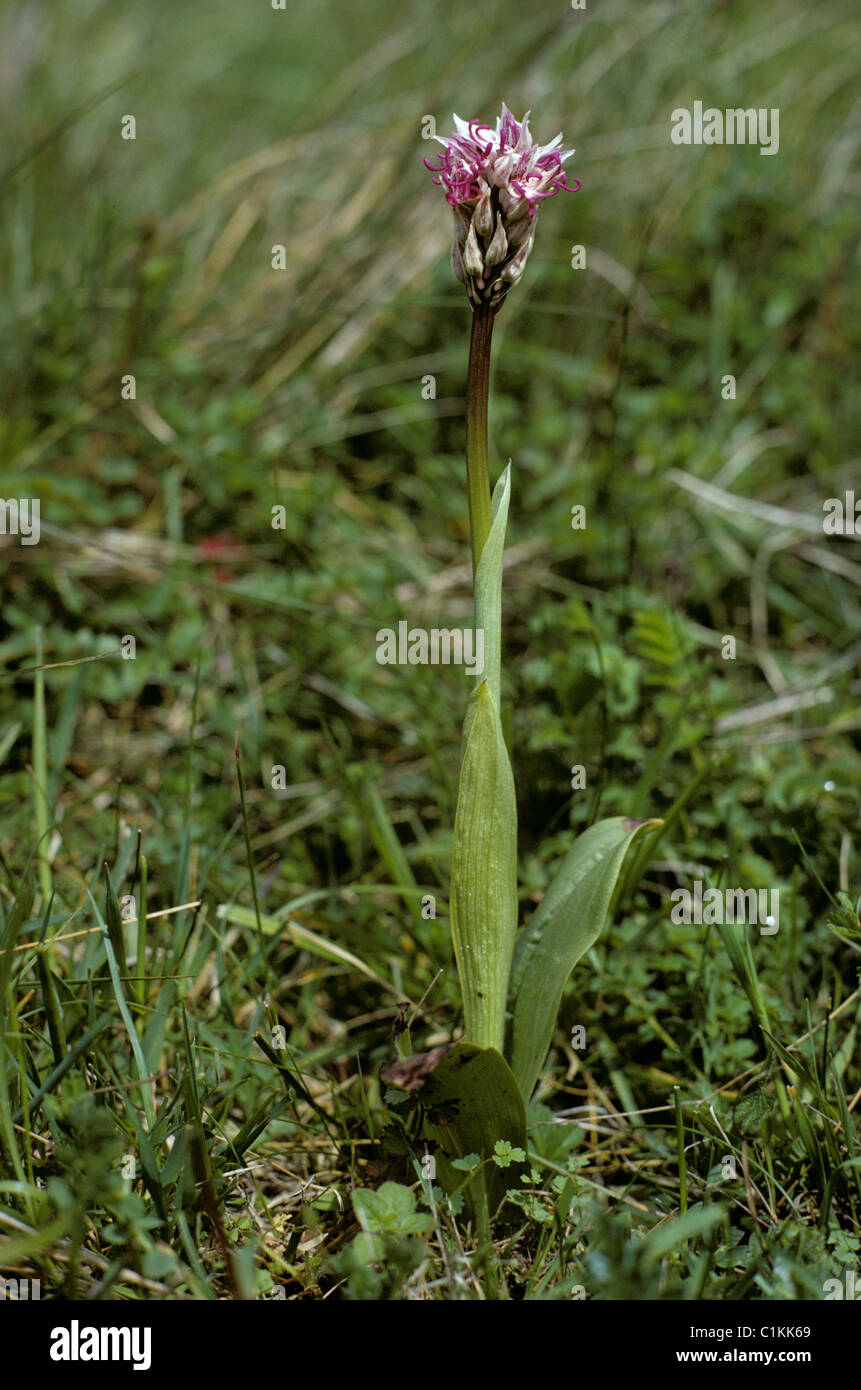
704 1142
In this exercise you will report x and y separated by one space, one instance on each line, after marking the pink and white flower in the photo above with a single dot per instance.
495 182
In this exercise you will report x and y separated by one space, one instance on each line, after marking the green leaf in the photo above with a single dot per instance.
304 938
504 1155
484 873
467 1163
671 1235
111 934
21 909
479 1104
157 1264
114 923
488 586
563 927
390 1208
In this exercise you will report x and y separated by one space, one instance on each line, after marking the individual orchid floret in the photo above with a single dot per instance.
495 182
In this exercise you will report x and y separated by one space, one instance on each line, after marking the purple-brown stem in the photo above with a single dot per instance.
477 389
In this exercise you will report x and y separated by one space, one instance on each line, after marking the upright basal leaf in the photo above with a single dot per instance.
488 586
563 927
484 873
478 1103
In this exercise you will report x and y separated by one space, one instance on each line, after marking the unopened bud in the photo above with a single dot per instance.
498 248
457 264
483 215
513 271
472 257
518 231
462 222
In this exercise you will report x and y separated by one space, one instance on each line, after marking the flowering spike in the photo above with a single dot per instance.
495 181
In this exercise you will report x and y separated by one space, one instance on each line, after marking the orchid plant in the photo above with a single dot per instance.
495 181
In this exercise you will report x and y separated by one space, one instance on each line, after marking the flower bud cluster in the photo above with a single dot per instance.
494 181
